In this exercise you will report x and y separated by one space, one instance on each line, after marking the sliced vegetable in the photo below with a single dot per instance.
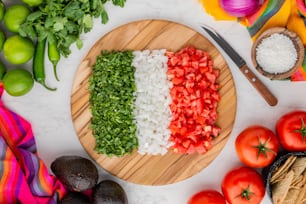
194 100
112 88
257 146
291 130
243 185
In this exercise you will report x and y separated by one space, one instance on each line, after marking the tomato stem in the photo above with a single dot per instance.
302 130
262 148
245 193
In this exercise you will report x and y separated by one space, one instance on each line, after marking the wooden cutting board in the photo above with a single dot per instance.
147 169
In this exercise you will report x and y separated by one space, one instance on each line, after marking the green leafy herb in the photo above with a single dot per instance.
64 20
112 88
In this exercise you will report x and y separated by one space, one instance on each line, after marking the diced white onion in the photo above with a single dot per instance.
152 113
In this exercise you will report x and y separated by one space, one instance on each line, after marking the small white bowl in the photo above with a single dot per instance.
298 44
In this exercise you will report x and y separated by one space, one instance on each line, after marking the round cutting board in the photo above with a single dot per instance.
148 169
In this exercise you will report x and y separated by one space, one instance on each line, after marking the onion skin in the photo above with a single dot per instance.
240 8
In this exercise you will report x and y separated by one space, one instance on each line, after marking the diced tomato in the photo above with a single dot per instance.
211 77
177 80
186 143
201 147
191 149
195 99
169 53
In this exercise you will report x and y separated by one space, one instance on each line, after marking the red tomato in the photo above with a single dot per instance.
195 99
208 196
257 146
243 185
291 130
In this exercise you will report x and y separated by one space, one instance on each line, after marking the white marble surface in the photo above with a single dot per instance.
49 112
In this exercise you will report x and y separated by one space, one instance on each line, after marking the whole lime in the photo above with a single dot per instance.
18 82
2 10
15 16
18 50
33 2
2 39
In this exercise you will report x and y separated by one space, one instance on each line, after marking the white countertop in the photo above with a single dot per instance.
49 112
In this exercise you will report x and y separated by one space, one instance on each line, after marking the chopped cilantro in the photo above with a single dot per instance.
112 88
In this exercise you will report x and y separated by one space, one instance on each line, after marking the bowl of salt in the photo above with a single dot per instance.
277 53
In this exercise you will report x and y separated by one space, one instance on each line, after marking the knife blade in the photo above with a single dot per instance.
243 67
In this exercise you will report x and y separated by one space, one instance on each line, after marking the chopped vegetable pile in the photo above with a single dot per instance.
112 90
152 112
175 104
195 99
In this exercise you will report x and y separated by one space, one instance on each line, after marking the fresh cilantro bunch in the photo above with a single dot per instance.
63 21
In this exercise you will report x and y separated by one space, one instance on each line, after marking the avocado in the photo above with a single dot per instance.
109 192
75 198
75 172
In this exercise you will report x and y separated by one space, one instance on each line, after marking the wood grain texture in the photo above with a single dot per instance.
148 169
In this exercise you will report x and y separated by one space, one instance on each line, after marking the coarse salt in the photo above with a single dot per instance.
276 54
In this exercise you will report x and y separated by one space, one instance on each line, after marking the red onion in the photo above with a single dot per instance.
240 8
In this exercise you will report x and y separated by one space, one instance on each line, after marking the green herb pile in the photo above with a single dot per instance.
64 21
112 88
59 24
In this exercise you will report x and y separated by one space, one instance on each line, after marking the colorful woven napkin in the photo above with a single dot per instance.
283 13
24 177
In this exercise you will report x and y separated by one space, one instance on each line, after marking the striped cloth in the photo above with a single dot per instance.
24 177
283 13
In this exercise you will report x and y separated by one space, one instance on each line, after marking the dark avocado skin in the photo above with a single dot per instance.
75 172
109 192
75 198
280 159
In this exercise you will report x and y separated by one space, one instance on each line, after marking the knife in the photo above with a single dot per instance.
240 62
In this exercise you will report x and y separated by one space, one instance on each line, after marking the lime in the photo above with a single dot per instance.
2 10
2 70
15 16
33 2
18 82
18 50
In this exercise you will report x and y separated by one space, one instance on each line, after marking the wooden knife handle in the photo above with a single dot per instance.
260 87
